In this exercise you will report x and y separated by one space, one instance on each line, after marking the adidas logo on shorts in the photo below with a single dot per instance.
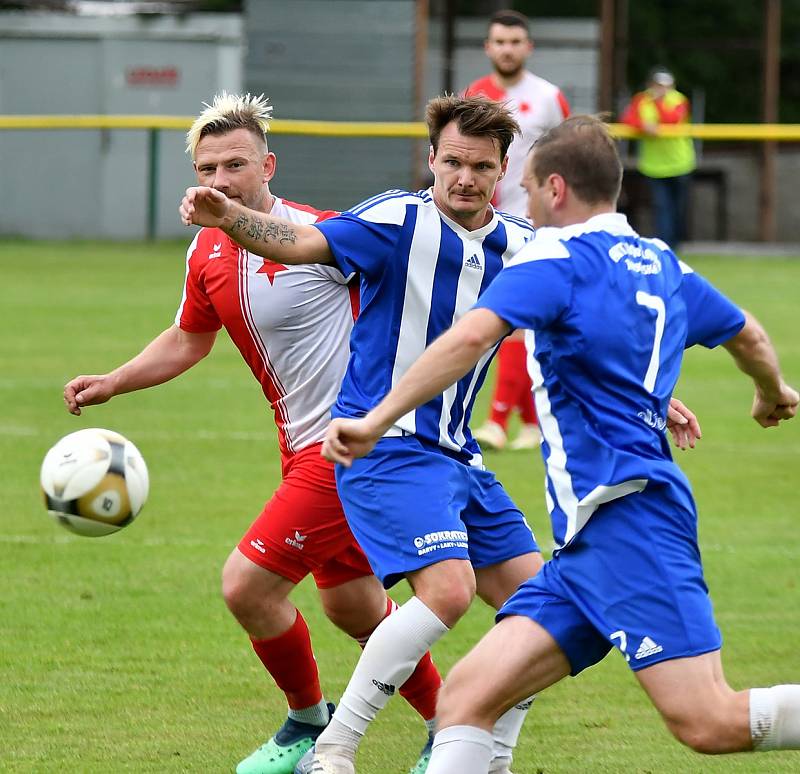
647 648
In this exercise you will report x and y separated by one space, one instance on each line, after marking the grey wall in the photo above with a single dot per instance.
346 60
90 183
340 60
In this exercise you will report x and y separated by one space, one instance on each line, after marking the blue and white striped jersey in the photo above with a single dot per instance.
608 315
419 273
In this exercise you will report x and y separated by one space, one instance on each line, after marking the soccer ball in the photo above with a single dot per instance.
94 482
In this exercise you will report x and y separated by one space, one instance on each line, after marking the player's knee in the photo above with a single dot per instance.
353 621
336 613
451 599
461 598
446 588
708 734
238 590
696 736
449 704
455 703
355 607
234 589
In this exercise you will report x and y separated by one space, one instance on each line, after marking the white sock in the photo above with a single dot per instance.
388 660
507 728
316 715
462 749
775 718
338 740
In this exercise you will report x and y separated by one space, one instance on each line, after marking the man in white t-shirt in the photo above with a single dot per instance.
537 106
292 325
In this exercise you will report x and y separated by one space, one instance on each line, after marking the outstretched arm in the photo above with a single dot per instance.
275 238
168 355
754 354
444 362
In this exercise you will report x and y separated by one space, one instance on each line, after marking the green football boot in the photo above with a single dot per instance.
280 754
421 766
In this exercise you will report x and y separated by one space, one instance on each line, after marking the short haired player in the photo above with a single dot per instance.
291 325
607 316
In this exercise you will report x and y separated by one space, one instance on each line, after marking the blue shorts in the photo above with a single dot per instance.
632 578
410 505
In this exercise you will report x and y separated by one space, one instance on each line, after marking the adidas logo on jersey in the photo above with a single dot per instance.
385 688
473 262
647 648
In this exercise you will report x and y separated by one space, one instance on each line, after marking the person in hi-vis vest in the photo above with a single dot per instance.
666 162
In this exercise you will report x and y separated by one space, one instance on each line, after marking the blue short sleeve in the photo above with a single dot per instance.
534 289
712 318
358 245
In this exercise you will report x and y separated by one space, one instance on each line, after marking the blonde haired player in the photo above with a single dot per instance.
291 325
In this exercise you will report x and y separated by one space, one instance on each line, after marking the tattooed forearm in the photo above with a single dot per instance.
239 223
256 229
282 232
268 231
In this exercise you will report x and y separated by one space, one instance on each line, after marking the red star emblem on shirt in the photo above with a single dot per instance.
524 107
271 269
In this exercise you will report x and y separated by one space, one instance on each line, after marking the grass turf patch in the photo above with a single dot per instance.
117 653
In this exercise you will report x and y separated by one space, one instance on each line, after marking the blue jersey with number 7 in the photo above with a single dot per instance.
607 316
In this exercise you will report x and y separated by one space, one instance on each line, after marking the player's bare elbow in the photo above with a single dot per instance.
295 245
474 342
312 246
193 346
480 329
749 339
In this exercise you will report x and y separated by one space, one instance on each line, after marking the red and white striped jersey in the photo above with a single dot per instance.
291 323
537 105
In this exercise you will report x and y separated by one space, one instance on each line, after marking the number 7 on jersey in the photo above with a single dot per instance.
656 303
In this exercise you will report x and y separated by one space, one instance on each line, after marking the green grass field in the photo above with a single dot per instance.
117 653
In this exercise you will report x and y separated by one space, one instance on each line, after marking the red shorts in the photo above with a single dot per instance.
302 529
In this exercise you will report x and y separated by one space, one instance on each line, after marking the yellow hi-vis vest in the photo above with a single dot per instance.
662 156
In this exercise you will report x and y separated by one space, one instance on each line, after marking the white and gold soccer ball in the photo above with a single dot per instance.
94 482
